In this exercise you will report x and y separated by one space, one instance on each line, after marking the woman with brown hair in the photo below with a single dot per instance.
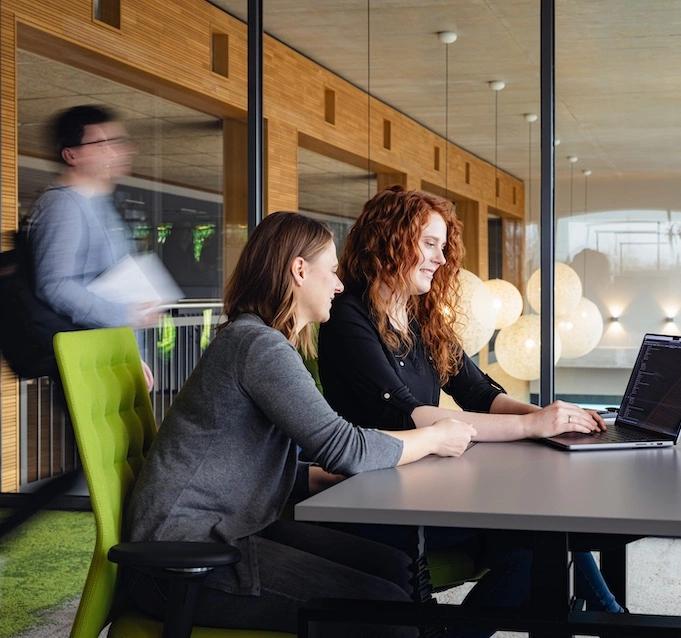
391 345
225 462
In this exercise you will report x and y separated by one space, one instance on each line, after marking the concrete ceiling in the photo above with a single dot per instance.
618 80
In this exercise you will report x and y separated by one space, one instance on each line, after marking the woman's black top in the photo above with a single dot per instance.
372 386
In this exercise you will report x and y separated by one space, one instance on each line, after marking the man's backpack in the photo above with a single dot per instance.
27 324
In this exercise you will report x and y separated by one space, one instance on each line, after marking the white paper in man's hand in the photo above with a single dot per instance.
137 279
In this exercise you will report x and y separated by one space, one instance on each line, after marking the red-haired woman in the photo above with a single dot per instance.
391 346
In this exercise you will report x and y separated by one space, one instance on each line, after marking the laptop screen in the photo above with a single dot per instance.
653 397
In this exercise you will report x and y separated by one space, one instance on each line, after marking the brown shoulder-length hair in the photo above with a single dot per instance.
262 282
383 248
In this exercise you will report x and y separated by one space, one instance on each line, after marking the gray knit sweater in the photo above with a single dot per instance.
73 240
224 462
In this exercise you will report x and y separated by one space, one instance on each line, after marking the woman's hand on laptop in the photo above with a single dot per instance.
561 417
602 427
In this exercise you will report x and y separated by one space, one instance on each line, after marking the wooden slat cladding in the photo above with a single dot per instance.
9 386
8 113
513 242
281 166
474 216
9 429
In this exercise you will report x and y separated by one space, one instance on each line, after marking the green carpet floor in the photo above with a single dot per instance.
43 564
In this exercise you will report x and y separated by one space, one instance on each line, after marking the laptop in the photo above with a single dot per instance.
650 413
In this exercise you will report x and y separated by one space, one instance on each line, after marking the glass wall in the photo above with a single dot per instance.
185 198
332 191
173 199
618 188
443 72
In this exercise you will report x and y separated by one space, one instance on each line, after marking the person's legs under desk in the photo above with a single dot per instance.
291 575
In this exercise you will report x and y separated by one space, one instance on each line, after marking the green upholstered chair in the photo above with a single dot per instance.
114 427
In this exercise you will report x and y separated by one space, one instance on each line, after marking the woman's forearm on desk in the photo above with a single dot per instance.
446 437
499 425
504 404
505 427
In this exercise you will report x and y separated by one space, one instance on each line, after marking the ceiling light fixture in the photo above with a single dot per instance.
496 86
573 159
530 118
447 37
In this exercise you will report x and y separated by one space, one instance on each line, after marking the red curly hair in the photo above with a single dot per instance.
383 248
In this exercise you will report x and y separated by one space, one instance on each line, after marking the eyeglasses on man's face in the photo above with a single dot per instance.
119 140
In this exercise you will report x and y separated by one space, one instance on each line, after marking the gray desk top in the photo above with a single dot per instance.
517 486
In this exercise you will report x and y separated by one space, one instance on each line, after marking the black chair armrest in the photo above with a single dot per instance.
174 555
184 566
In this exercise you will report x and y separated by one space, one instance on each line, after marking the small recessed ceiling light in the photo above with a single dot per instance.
497 85
556 142
531 117
572 159
586 173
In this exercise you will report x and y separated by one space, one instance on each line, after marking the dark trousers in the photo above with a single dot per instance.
297 562
508 556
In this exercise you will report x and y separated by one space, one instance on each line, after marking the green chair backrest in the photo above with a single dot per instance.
114 426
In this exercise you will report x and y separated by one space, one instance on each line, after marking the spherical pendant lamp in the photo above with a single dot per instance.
568 288
580 331
518 348
475 314
507 301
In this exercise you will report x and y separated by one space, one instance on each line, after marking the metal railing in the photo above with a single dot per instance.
172 350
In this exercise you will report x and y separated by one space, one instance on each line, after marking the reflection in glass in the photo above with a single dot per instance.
617 204
173 201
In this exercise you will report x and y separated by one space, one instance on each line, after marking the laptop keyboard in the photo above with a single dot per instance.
612 435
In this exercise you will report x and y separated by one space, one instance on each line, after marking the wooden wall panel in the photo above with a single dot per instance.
513 252
281 166
166 40
294 93
474 216
235 171
9 386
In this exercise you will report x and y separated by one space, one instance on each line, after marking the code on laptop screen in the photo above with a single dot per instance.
653 396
